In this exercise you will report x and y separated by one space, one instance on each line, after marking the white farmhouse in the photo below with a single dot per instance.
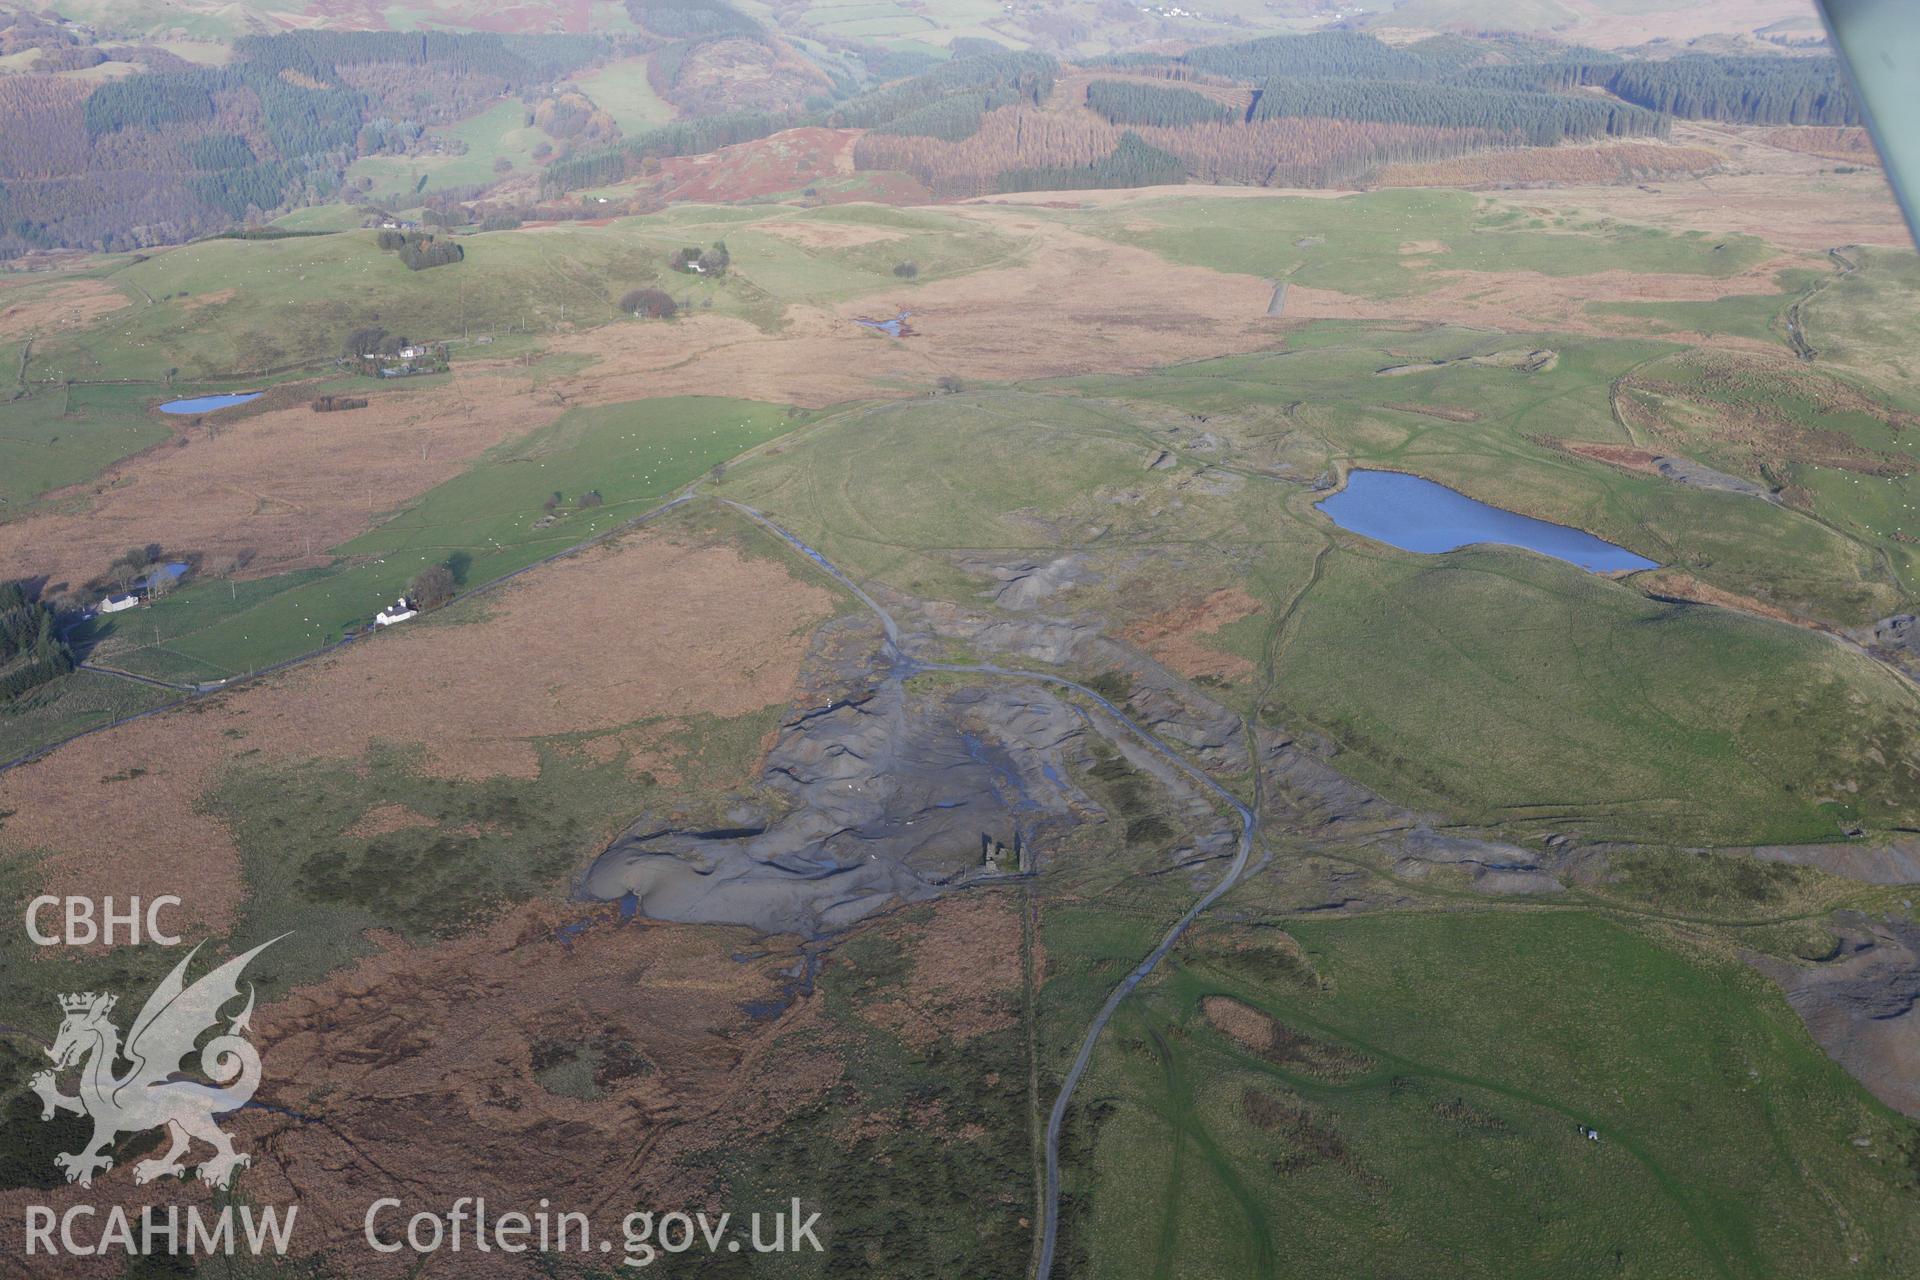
399 611
115 604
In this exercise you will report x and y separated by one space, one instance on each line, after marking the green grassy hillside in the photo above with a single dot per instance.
1425 1116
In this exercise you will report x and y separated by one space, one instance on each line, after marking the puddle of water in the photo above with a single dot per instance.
207 404
799 983
1000 765
568 933
894 328
1415 514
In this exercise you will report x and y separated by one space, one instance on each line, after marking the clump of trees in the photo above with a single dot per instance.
1746 90
1135 102
649 303
31 652
220 151
1734 87
432 587
906 270
1133 163
710 262
132 564
1541 119
514 60
421 252
951 118
372 340
420 249
981 77
1346 54
147 102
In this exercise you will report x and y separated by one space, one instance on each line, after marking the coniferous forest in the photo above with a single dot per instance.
178 150
1132 102
168 155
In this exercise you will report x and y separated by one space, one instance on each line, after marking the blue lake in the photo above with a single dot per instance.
207 404
1415 514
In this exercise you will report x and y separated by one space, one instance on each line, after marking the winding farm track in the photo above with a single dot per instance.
1249 824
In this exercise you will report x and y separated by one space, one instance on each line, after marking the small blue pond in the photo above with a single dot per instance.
207 404
171 572
1415 514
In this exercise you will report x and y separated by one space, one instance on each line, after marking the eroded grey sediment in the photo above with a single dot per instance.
1862 1004
877 793
1698 475
874 796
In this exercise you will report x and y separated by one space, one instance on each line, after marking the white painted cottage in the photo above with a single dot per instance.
399 611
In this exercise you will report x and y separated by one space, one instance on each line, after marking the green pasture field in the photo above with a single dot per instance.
1352 243
1759 316
64 435
939 244
321 217
140 17
498 132
1865 321
896 490
889 23
1432 1125
1515 15
622 90
634 455
233 307
229 307
1507 689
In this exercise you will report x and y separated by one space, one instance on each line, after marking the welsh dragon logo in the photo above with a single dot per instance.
148 1094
